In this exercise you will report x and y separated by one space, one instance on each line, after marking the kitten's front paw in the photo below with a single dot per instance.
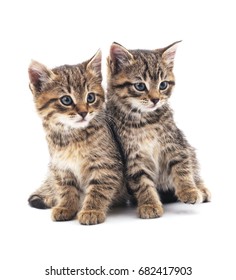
191 195
62 214
206 194
150 211
91 217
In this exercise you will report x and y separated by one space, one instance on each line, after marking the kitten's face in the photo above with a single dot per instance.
68 96
141 79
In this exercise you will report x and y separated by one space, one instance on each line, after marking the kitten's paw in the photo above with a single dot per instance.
191 195
91 217
37 201
206 194
62 214
150 211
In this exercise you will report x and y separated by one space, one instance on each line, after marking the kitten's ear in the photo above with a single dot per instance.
95 64
39 75
119 57
168 54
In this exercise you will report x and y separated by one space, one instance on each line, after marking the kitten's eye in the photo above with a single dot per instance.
140 86
91 97
66 100
163 85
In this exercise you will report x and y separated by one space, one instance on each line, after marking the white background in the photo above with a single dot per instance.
69 32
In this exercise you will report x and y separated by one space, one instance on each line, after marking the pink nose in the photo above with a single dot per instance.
83 114
155 100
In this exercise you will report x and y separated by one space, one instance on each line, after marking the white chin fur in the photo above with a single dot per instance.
148 107
76 122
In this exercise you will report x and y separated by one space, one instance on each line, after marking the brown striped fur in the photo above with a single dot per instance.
85 174
158 156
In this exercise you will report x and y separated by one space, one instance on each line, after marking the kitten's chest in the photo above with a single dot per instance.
142 141
69 159
148 143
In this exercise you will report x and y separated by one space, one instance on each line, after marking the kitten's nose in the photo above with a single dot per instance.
155 100
83 114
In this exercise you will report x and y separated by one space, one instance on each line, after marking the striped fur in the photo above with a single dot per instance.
85 174
158 156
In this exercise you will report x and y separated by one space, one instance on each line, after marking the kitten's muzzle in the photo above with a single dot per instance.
155 100
83 114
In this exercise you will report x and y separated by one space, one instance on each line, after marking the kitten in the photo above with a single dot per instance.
158 157
85 172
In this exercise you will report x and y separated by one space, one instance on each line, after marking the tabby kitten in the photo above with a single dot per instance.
158 157
85 171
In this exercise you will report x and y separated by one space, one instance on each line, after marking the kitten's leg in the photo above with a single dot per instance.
68 197
44 197
142 185
180 170
205 192
94 207
149 204
100 194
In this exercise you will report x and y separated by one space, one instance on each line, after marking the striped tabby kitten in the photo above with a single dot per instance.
158 157
85 172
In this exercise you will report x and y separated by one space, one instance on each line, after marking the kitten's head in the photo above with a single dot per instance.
68 96
141 79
